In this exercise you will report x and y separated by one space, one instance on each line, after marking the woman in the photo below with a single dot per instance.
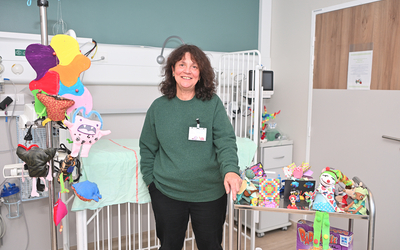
188 153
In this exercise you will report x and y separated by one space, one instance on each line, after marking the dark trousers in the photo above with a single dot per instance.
172 218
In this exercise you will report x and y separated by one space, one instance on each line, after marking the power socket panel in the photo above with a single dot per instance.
17 100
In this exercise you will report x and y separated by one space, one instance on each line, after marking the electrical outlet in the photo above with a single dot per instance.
17 100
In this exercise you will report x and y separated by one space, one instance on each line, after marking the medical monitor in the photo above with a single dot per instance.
267 79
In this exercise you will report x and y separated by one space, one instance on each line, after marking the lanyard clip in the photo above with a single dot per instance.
198 122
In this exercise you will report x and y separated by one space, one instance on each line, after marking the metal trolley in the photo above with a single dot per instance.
282 209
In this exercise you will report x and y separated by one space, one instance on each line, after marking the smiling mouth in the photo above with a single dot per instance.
325 183
186 77
87 129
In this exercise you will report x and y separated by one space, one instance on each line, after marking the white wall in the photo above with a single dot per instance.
290 60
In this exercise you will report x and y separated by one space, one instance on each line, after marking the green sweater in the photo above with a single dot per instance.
182 169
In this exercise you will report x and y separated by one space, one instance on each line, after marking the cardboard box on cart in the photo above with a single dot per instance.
339 239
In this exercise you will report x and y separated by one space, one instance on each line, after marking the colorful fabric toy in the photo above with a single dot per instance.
87 191
56 107
84 132
66 168
323 200
357 206
60 211
257 170
36 160
248 191
298 172
265 119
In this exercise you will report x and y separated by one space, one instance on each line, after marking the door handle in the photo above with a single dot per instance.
391 138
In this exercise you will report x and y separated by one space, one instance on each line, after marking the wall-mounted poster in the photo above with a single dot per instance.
359 70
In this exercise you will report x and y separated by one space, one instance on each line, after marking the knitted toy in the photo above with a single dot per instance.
255 171
298 172
345 196
66 168
36 159
87 191
60 211
358 204
84 132
323 200
56 106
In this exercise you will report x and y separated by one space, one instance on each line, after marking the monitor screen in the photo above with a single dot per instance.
267 80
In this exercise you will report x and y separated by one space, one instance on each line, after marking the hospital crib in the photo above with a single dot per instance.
128 222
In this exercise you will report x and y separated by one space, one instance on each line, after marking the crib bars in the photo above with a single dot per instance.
242 98
122 226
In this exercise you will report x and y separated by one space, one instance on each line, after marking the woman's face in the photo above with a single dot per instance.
187 74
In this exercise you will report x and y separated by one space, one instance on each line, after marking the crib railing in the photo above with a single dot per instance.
131 226
123 226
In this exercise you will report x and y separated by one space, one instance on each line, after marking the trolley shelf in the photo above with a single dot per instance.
303 209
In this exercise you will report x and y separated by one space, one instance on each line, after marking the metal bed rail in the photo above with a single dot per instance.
122 226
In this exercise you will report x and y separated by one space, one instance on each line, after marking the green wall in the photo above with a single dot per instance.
213 25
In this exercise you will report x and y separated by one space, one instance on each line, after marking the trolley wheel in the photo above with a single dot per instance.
284 228
260 235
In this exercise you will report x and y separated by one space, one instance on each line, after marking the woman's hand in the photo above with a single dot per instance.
232 182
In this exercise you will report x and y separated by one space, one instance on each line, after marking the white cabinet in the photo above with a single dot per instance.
274 156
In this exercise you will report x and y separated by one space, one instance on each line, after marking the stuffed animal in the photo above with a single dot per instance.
84 132
87 191
60 211
258 171
323 200
345 196
298 172
248 191
66 168
36 159
357 206
56 106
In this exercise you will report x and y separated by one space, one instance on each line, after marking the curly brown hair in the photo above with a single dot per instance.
206 86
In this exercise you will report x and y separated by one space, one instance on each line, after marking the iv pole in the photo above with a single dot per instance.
43 4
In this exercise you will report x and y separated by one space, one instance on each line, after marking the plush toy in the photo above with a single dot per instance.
60 211
87 191
298 172
255 171
345 196
323 200
84 132
265 119
36 159
66 168
357 206
248 191
56 106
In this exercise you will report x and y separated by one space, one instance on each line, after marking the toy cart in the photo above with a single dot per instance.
283 209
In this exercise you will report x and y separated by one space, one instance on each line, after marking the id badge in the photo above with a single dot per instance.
197 134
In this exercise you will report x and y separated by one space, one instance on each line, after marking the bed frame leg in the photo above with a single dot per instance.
81 230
